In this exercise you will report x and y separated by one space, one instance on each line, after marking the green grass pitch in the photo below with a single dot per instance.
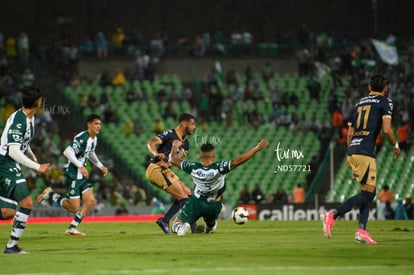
258 247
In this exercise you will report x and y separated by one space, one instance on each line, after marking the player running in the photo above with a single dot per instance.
162 176
368 116
77 176
15 145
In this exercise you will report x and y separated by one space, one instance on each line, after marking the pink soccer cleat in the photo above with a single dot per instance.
328 222
362 236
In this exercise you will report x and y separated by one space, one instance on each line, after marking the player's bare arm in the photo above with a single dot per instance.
152 147
249 154
389 134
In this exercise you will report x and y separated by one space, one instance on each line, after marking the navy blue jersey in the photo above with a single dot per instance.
167 138
366 119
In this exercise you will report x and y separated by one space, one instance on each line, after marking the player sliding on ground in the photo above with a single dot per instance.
77 176
209 178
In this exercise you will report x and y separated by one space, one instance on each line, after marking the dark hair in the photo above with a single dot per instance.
185 117
378 83
207 147
92 117
30 95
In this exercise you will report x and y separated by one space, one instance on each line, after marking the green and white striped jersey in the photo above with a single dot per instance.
209 181
18 130
83 146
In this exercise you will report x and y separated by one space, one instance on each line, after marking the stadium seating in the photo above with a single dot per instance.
229 141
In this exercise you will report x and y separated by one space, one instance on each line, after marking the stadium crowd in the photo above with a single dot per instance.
346 57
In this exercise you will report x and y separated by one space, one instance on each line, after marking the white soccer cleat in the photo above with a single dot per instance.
44 195
74 232
208 230
184 229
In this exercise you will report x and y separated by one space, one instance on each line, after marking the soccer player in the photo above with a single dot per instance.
15 145
209 178
77 176
368 116
161 175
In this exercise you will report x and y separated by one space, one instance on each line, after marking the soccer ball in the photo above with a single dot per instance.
240 215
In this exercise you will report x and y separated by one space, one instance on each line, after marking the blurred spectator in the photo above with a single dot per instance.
128 127
86 48
267 72
121 210
101 45
7 110
138 128
281 197
119 78
27 78
314 89
110 116
103 102
255 120
139 195
400 213
386 194
257 194
11 50
403 133
298 194
409 207
117 40
389 212
93 101
158 126
169 111
337 119
105 79
304 58
244 195
303 124
285 119
23 47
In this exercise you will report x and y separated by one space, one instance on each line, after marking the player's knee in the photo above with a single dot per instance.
92 202
26 203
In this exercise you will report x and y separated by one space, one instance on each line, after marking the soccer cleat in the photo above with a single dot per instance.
328 223
44 195
164 226
208 230
15 250
74 232
184 229
362 236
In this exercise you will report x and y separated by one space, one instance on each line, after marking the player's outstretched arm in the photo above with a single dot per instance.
249 154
